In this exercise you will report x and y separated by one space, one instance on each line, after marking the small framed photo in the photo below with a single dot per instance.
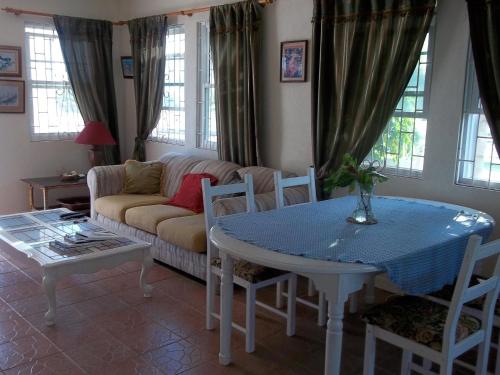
11 96
10 61
127 67
293 61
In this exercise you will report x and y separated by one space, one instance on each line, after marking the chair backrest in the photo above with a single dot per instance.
281 183
210 192
464 293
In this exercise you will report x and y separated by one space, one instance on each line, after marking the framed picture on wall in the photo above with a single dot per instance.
10 61
127 67
11 96
293 61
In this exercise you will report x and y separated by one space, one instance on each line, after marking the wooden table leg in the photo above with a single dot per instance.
45 192
147 263
226 313
31 198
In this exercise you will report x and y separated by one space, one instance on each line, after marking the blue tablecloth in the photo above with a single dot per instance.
421 246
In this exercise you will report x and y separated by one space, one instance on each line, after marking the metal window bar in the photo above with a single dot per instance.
171 126
478 164
206 123
54 114
401 146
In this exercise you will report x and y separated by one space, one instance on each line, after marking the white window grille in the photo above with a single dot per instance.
171 127
478 163
54 112
206 124
401 146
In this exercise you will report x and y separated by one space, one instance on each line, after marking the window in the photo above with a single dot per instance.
478 163
402 144
171 127
54 112
207 126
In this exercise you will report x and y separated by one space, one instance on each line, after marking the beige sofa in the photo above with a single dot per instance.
177 235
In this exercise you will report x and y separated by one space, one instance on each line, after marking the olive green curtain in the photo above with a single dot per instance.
484 21
234 42
148 42
363 55
87 51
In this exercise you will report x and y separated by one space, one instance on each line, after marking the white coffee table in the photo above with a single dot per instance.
34 233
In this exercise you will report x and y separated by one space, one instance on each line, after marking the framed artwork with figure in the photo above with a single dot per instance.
10 61
293 61
11 96
127 66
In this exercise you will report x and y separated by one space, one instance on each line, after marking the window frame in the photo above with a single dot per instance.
424 114
30 83
471 95
165 138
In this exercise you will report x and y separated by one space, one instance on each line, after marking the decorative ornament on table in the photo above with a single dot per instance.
360 178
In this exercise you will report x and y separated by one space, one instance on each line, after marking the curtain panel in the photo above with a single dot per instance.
363 56
235 42
484 21
148 41
87 51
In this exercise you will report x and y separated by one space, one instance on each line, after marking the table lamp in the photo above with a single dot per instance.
95 134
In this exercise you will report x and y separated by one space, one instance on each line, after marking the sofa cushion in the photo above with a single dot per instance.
142 178
225 171
187 232
190 194
147 218
115 206
175 166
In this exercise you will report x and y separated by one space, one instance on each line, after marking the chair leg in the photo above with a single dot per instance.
280 300
322 309
406 362
446 368
291 305
250 319
210 300
370 351
311 290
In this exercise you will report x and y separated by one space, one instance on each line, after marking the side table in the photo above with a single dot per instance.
49 183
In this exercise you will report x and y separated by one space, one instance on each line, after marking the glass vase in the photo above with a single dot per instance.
363 214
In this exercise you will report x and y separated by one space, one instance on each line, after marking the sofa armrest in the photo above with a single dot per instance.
263 201
103 181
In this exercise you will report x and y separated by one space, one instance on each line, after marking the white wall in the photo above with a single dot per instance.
20 157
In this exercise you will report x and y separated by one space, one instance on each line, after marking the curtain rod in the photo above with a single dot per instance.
185 12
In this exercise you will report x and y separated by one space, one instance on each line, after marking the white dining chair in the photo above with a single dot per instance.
249 276
280 184
453 332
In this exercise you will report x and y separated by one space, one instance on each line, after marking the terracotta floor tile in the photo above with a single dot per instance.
99 306
100 275
130 266
146 337
20 291
30 305
56 364
95 355
6 312
135 296
65 316
177 357
67 337
119 283
6 267
14 329
183 323
209 341
12 278
121 320
25 349
132 366
79 293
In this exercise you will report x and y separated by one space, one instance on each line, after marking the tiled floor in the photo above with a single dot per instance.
105 326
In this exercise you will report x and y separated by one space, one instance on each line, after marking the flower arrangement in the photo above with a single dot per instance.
364 176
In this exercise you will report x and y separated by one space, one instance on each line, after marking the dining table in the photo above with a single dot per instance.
418 244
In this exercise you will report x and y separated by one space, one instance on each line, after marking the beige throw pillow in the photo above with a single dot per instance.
142 178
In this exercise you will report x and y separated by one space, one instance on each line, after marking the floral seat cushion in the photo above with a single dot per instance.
446 293
419 320
250 272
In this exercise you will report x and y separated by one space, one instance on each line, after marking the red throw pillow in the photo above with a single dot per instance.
190 194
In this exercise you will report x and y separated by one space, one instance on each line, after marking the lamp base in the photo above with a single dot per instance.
96 156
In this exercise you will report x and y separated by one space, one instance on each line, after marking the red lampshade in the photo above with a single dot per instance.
95 133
